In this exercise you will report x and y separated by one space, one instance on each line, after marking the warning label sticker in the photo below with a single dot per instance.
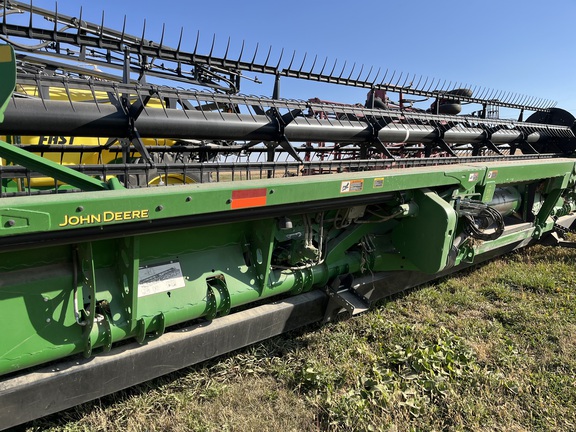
378 182
492 174
351 186
160 278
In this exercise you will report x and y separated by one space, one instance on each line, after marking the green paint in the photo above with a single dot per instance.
205 271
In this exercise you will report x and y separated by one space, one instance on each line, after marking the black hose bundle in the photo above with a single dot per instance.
478 218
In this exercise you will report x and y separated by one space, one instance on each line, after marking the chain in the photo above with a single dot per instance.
562 230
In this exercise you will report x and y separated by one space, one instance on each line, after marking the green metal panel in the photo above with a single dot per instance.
507 172
182 253
426 238
76 211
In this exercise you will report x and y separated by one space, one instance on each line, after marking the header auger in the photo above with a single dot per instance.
80 100
130 205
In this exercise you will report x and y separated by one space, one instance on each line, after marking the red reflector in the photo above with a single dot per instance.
248 198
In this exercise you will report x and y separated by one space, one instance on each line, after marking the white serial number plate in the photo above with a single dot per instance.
159 278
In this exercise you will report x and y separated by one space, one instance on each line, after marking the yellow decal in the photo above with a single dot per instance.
5 54
104 217
351 186
378 182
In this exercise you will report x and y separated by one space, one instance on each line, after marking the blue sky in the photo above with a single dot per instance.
525 47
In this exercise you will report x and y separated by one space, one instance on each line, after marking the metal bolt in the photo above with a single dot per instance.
80 209
48 320
188 199
11 222
160 208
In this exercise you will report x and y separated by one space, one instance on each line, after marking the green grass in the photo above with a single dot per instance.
490 349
